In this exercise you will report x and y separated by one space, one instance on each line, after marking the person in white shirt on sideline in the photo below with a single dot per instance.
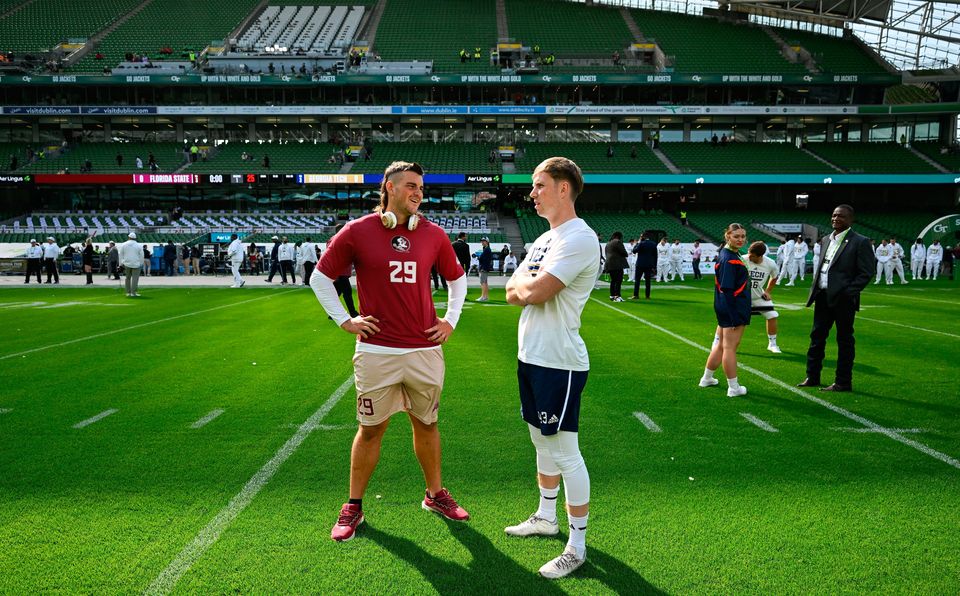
788 247
676 260
235 258
799 263
663 259
552 286
781 256
897 259
934 258
130 257
286 254
918 256
510 263
308 256
51 252
763 277
631 260
34 256
884 253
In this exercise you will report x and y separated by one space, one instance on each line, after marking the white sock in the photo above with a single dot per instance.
578 534
773 340
548 503
707 373
733 383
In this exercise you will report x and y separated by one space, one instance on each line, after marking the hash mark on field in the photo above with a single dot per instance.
210 533
908 326
208 418
890 433
902 431
5 410
138 326
650 424
96 418
759 423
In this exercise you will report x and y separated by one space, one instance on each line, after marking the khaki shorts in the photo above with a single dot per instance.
387 384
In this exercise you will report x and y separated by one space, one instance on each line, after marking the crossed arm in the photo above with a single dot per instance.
524 289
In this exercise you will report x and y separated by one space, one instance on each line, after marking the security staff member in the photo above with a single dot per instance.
50 254
34 256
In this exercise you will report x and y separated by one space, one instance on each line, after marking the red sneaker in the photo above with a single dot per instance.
444 504
351 516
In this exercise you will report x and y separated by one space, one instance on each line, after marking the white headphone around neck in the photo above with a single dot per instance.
389 221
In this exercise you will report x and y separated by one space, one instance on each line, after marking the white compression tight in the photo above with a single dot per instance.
559 455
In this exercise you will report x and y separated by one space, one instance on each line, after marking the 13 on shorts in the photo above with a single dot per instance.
391 383
550 397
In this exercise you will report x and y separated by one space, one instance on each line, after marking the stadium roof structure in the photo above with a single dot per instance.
909 34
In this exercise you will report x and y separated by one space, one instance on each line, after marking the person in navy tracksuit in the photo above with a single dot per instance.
731 302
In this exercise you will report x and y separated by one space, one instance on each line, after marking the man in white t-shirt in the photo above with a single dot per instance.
235 258
552 285
763 277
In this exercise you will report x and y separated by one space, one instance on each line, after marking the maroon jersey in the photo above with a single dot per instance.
393 275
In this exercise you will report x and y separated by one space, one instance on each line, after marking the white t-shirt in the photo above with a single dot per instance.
235 251
760 274
549 333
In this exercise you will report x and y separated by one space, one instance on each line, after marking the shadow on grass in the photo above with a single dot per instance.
492 571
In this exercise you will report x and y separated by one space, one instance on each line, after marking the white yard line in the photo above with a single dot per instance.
902 431
650 424
861 317
890 433
169 577
5 410
759 423
96 418
138 326
213 414
912 298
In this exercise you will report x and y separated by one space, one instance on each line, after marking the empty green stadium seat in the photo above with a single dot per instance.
436 158
833 54
45 23
742 158
592 157
872 158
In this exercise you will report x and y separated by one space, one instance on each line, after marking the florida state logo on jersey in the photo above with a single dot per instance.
400 244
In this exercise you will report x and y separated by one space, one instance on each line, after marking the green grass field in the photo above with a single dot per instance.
854 493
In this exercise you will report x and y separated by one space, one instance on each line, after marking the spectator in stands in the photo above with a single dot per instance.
266 161
610 151
616 58
633 152
87 166
715 139
169 258
113 261
139 163
132 257
194 152
723 140
485 266
275 262
146 260
14 162
903 140
119 160
87 260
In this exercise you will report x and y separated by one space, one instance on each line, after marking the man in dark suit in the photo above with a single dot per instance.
615 261
462 250
646 251
845 268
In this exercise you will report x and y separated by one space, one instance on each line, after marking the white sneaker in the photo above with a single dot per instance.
790 284
617 299
741 390
234 286
709 382
774 348
534 526
563 565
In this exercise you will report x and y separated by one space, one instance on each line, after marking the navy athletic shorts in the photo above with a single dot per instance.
550 397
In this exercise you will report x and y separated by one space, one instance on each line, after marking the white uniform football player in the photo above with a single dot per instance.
934 258
676 260
763 278
897 259
787 260
884 266
918 256
663 259
799 265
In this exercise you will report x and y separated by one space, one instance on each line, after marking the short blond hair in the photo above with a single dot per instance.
563 169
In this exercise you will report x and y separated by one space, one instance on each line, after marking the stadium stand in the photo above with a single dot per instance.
904 226
713 223
940 154
568 29
833 54
21 30
435 158
907 94
592 157
289 158
633 225
466 24
872 158
192 25
103 158
742 158
706 45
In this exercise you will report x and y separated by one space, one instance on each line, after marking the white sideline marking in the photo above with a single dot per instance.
138 326
891 433
902 431
96 418
169 577
912 298
5 410
909 326
213 414
650 424
759 423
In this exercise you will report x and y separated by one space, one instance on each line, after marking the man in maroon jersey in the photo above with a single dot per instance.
398 363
